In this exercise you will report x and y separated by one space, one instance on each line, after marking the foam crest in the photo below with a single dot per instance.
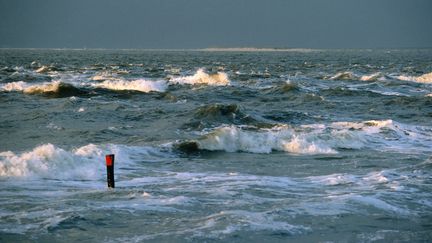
14 86
233 139
319 138
137 85
344 76
43 88
201 77
425 78
47 161
43 69
32 88
86 162
372 77
353 76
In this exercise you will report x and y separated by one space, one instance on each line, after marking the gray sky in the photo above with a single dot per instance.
215 23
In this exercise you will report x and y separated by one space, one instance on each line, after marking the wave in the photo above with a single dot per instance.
141 85
373 77
108 75
201 77
216 114
344 76
49 161
315 138
286 87
378 76
83 163
425 78
47 69
54 89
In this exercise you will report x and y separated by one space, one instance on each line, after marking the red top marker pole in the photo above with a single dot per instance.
110 170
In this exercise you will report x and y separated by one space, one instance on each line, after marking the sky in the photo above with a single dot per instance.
179 24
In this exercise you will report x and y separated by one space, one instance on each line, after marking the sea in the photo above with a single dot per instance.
216 145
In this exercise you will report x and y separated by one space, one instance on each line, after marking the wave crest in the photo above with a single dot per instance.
201 77
141 85
83 163
344 76
54 89
319 138
234 139
425 78
47 161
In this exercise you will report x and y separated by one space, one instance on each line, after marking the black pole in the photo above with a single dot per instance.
110 169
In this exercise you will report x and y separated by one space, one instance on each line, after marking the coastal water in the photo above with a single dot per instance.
235 146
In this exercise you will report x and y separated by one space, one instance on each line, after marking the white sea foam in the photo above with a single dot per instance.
29 88
14 86
373 77
348 75
252 221
49 161
43 69
344 76
141 85
201 77
425 78
232 139
105 75
320 138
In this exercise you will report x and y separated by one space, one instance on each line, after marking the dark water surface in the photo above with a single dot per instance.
305 145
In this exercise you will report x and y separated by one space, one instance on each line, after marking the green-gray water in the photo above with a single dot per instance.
302 145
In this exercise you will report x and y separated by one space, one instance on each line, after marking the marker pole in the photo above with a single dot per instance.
110 169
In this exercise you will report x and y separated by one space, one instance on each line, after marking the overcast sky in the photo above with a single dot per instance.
216 23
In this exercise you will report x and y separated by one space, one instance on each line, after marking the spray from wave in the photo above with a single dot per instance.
201 77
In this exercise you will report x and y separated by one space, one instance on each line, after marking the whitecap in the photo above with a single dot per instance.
28 88
43 69
86 162
319 138
373 77
141 85
201 77
233 139
344 76
425 78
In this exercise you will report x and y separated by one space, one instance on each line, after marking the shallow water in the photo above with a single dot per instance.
304 145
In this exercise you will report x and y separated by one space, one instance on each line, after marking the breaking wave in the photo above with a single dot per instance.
344 76
137 85
52 89
373 77
201 77
83 163
425 78
316 138
47 69
49 161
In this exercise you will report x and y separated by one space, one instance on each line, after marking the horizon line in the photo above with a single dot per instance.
217 49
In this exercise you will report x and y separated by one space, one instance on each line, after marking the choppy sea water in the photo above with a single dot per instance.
303 145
